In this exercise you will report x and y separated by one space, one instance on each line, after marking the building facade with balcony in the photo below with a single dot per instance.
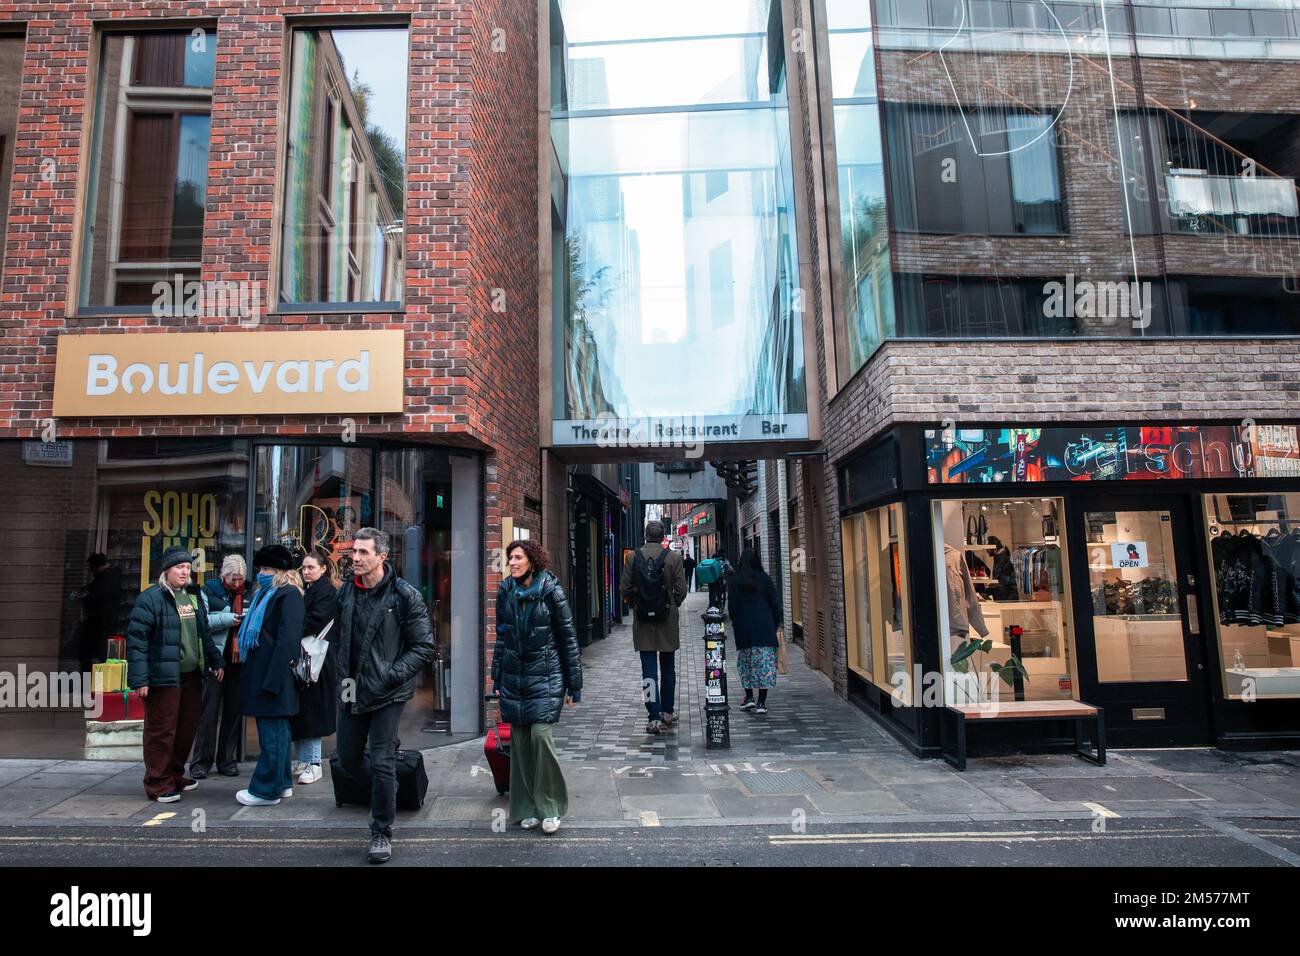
1060 355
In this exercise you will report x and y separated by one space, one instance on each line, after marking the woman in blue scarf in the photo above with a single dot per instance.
535 667
270 640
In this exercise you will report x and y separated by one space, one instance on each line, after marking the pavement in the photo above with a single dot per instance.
797 783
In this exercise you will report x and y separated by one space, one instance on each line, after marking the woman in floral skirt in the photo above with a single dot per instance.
756 625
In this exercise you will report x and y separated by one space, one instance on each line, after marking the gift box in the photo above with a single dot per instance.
125 706
108 677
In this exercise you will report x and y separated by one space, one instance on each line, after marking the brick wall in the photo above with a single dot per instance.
470 223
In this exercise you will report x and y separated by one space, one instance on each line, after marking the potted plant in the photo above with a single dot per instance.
961 663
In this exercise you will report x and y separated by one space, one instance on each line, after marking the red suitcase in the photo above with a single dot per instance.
497 750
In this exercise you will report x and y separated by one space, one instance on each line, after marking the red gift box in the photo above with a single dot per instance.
128 706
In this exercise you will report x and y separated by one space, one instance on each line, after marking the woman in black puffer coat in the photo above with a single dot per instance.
535 666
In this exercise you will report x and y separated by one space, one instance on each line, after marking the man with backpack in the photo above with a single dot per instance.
654 583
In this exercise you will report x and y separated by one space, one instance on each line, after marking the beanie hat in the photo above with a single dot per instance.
175 556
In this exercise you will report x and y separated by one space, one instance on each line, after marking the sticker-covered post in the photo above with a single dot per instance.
717 720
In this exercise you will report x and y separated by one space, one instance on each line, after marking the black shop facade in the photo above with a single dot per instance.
1149 569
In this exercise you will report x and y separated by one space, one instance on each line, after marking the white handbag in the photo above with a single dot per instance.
312 660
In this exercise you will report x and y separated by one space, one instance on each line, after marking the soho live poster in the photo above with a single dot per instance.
1111 453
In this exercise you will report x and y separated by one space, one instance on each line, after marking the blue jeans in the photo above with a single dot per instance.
659 695
274 771
307 750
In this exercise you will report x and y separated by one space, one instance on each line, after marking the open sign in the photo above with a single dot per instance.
1128 554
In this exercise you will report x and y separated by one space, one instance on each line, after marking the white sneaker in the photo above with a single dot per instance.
287 792
532 823
310 775
298 767
252 800
550 825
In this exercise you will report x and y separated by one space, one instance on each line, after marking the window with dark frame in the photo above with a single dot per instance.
344 173
147 193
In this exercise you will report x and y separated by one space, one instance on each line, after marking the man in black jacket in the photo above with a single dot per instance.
168 648
385 640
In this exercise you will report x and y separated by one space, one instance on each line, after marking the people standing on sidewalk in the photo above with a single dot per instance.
317 704
536 665
220 722
688 565
756 625
385 640
654 580
168 648
270 640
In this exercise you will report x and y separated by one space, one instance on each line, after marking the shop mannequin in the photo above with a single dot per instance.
963 605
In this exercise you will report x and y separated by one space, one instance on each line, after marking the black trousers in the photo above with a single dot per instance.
220 723
373 735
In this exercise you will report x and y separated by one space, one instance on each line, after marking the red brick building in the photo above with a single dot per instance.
294 172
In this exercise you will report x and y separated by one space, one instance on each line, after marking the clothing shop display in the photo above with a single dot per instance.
963 604
1255 578
1038 568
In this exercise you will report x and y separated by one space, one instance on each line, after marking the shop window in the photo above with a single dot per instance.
1133 578
310 496
1003 578
147 188
1254 544
11 69
88 532
875 589
343 227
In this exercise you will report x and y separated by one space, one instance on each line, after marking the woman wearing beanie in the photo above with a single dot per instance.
270 640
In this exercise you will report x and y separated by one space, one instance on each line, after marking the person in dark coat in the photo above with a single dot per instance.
317 704
221 724
385 640
756 620
688 565
535 667
100 600
270 640
168 647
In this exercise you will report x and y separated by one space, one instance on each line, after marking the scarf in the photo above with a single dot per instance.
251 629
528 597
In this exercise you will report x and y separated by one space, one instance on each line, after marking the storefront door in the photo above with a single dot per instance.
1141 651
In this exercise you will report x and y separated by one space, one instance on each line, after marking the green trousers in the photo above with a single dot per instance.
536 783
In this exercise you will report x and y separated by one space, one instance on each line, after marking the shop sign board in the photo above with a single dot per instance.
57 454
229 373
1112 453
677 431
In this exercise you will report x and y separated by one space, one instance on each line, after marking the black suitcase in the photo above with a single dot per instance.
412 782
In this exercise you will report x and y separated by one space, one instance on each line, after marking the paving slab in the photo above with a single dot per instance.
85 806
737 805
667 806
869 802
1107 790
16 801
61 781
944 798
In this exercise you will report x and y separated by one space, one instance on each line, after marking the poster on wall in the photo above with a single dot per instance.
1128 554
1111 453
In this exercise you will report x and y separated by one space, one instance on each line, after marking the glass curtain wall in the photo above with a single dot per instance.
674 244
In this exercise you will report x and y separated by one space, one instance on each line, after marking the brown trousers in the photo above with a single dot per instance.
171 718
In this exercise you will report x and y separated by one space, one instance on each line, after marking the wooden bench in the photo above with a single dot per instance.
952 724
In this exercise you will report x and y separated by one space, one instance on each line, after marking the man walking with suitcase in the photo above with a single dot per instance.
654 580
385 639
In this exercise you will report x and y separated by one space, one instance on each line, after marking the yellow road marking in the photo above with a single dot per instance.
649 818
159 818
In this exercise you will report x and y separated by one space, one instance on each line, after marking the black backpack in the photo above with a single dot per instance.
652 604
